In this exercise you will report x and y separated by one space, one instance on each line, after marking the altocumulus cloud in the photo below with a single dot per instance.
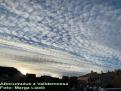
60 37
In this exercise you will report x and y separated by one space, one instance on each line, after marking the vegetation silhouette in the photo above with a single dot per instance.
88 82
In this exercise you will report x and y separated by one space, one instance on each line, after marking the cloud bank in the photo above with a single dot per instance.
60 37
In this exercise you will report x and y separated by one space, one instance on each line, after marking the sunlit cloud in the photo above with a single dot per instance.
60 37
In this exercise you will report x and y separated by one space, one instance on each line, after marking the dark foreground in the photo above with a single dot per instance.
11 79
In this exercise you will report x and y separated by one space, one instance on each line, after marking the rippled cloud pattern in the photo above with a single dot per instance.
60 37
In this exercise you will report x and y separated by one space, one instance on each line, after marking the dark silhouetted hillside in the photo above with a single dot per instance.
89 82
10 74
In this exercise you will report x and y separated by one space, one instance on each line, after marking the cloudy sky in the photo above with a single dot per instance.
60 37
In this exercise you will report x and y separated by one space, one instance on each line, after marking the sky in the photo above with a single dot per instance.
60 37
